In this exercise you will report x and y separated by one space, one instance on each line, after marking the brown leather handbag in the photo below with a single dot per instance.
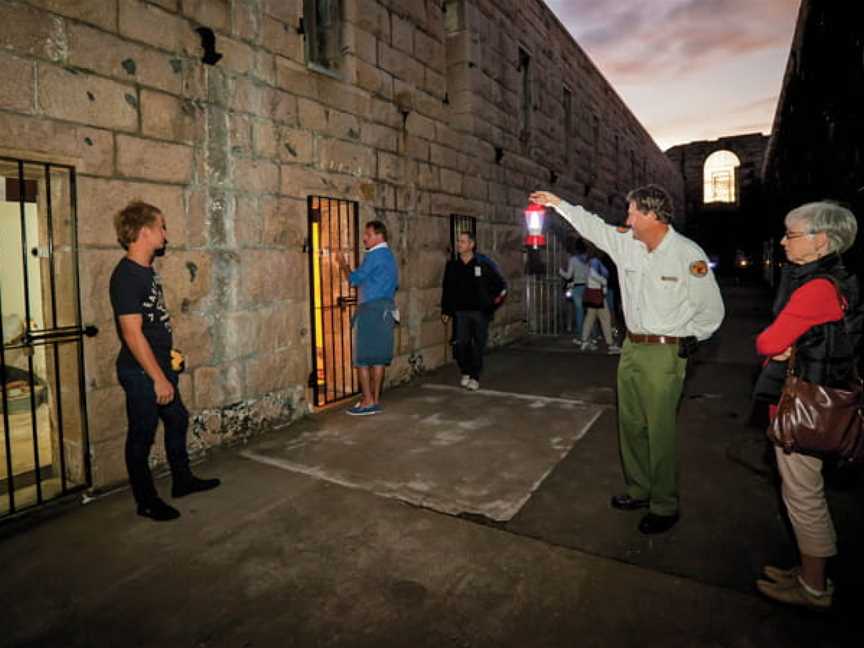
818 420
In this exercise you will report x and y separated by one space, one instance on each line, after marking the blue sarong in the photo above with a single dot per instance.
373 328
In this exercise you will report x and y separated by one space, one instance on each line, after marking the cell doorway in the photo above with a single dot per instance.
333 230
44 446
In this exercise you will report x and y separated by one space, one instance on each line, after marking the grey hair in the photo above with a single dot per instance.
838 223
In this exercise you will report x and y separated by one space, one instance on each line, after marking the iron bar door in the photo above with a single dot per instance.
333 229
44 451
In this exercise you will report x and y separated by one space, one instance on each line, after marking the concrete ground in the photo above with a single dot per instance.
326 534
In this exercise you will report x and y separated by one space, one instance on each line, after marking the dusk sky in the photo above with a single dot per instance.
688 69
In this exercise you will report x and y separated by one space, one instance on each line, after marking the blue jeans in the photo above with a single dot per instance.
576 294
470 332
143 414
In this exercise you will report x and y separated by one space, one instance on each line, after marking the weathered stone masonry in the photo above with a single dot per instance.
419 122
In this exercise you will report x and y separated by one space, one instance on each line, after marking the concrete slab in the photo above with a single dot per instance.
444 448
277 559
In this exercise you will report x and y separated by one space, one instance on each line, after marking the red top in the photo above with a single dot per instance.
816 302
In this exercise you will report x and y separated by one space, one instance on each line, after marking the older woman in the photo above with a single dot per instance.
821 318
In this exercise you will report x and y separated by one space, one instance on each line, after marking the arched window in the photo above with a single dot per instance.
720 177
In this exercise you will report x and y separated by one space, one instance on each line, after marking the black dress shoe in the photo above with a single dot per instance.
192 484
158 510
627 503
653 523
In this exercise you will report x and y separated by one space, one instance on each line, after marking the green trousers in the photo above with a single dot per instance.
650 380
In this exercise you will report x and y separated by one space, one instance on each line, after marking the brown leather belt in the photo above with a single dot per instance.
651 339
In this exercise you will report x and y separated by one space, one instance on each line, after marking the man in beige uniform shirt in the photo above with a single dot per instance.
670 297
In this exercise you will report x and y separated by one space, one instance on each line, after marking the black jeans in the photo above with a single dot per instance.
470 332
143 413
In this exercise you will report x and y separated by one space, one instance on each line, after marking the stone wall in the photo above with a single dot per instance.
725 229
816 149
417 122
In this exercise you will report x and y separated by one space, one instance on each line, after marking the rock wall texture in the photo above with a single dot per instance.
430 109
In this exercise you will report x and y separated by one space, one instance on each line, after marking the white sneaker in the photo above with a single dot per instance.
589 345
614 349
473 385
465 380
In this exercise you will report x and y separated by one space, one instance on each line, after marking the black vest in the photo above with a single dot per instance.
826 354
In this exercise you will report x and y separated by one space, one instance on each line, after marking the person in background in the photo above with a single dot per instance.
575 276
473 287
597 280
818 311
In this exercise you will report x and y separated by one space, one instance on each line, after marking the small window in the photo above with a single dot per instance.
322 26
524 69
720 175
454 16
568 123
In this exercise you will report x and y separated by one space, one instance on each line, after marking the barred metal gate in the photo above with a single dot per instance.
548 309
44 452
333 228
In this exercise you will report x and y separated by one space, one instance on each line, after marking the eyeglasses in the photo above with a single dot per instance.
794 235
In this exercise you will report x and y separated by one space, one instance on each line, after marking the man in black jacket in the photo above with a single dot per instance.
473 288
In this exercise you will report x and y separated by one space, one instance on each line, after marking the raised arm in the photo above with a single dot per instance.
608 238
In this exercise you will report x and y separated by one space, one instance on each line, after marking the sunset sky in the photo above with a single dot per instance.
688 69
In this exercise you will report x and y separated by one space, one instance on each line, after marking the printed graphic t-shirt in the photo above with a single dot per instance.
137 290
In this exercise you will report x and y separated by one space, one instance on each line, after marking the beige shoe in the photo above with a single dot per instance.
782 577
798 595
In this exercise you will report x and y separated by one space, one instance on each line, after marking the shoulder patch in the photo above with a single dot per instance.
699 268
622 230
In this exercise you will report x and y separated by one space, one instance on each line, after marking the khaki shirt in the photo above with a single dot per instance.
670 291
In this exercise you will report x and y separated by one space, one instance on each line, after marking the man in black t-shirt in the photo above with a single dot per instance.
144 365
473 288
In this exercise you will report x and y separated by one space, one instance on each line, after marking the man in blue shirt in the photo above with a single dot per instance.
377 278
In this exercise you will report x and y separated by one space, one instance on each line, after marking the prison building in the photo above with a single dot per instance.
269 132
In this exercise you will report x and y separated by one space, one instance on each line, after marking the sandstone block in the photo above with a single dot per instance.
362 44
116 57
247 21
16 92
451 181
257 176
27 31
270 372
193 336
417 124
346 157
107 457
99 200
385 112
213 13
282 38
344 97
154 26
369 16
431 52
87 99
240 333
295 78
102 13
372 78
96 267
399 65
295 145
380 137
160 161
165 116
285 223
402 34
265 139
186 279
237 56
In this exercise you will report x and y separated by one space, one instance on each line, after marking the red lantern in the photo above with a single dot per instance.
534 216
